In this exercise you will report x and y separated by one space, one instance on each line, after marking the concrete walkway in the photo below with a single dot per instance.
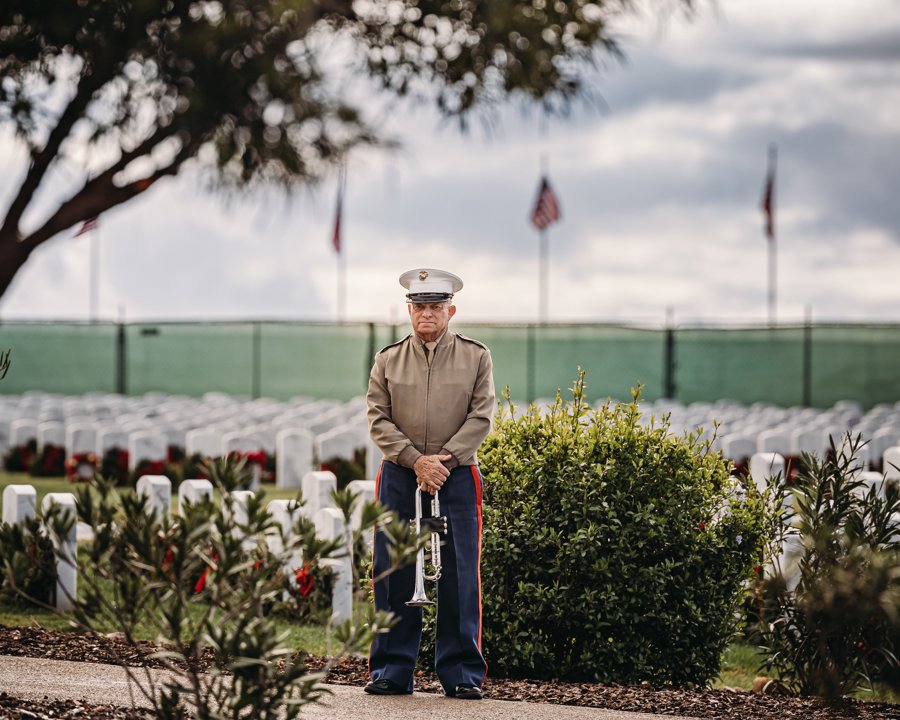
36 678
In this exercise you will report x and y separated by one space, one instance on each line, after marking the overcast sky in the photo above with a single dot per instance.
660 187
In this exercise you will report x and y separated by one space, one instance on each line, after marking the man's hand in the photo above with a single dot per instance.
430 472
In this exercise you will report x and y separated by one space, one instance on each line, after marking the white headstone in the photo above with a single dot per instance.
814 439
293 457
891 465
240 441
882 439
774 441
5 422
340 442
109 438
329 523
193 491
66 560
366 491
173 434
19 502
22 431
738 446
871 479
285 513
146 445
330 526
764 466
317 488
205 442
374 457
81 438
51 433
266 437
237 509
861 457
158 490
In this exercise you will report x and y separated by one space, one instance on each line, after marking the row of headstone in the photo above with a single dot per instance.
213 425
740 431
296 449
19 503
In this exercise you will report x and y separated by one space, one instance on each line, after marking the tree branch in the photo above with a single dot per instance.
101 194
87 86
143 148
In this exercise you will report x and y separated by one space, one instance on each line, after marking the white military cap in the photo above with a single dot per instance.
427 285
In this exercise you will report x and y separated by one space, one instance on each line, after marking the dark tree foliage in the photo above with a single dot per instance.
128 91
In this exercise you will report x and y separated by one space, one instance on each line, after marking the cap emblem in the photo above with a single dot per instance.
423 274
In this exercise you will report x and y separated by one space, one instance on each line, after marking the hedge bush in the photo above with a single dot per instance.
613 550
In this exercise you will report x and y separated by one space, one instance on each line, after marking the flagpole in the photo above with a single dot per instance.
543 249
543 279
94 272
94 275
772 281
773 255
341 286
338 244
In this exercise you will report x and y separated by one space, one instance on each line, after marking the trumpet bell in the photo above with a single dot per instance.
419 597
419 601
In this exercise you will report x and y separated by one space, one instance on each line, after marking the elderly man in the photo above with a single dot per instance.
431 398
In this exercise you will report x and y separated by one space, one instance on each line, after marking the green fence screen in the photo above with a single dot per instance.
799 365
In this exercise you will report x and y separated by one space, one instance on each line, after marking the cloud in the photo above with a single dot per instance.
659 184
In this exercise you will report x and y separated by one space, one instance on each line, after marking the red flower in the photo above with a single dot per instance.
757 569
257 458
304 580
703 526
201 583
81 466
151 467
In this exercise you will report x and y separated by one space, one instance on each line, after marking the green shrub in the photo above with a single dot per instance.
50 461
613 551
18 458
346 470
206 584
829 618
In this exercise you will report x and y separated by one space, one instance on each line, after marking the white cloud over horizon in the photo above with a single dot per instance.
660 195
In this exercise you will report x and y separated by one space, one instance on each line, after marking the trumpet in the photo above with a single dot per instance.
438 526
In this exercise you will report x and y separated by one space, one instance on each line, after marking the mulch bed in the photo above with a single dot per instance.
722 703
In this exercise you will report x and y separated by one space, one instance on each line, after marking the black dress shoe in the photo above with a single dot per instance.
384 687
467 692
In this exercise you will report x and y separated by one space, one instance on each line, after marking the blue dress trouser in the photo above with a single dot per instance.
458 658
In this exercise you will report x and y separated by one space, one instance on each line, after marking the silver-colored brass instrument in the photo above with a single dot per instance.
438 526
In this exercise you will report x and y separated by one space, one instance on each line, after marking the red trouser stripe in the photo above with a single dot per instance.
477 480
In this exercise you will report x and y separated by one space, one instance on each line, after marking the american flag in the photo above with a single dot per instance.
546 207
92 223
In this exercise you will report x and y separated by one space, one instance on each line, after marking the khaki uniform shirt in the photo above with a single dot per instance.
419 410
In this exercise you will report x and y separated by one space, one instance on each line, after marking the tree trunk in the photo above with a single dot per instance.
13 255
